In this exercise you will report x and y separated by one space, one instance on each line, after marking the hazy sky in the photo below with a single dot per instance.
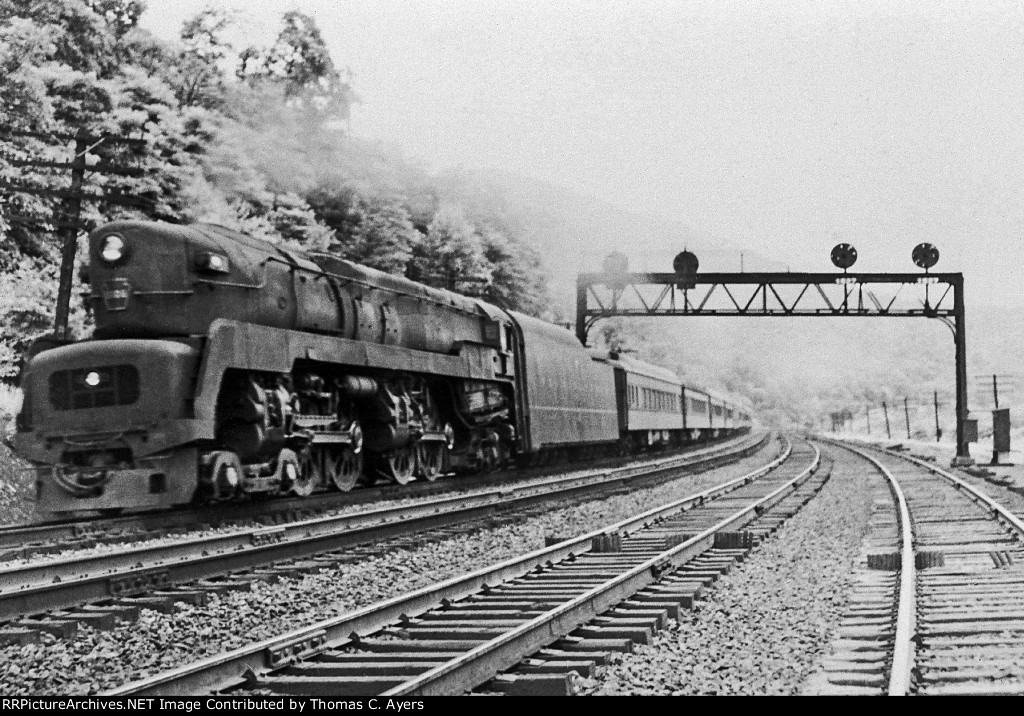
777 124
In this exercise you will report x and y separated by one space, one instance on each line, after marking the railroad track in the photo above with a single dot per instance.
22 541
55 595
545 616
939 610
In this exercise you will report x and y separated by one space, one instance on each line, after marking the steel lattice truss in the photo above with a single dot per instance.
764 294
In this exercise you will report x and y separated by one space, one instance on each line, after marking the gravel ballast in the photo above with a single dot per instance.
94 660
135 540
762 627
17 485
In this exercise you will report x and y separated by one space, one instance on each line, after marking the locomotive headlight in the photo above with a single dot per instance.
210 261
113 249
92 379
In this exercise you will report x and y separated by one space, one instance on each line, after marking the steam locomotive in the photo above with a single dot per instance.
222 365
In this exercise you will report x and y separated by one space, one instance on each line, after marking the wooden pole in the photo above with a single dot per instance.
69 240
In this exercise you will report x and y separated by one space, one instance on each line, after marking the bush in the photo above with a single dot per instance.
15 481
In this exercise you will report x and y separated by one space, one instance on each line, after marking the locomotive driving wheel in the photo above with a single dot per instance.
430 460
398 465
344 466
224 477
310 472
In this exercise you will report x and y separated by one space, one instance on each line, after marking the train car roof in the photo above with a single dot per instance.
551 331
733 401
637 366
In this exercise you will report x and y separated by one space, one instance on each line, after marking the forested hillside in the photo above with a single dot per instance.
253 138
257 139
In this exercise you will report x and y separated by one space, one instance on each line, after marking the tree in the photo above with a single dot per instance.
517 280
27 291
451 255
300 61
378 234
84 66
197 76
262 156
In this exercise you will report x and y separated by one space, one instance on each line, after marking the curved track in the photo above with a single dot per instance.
455 636
119 582
50 536
943 612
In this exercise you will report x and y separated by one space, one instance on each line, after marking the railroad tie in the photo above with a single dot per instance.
535 684
588 668
61 628
18 636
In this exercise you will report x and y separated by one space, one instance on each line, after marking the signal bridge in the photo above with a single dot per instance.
687 292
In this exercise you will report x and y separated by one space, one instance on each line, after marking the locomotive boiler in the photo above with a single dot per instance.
222 365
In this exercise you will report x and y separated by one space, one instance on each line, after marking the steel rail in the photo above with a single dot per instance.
226 670
906 613
477 666
70 582
1001 513
1014 529
19 535
382 514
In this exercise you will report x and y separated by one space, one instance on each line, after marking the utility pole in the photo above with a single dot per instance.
869 419
906 414
885 409
938 430
69 239
995 390
68 219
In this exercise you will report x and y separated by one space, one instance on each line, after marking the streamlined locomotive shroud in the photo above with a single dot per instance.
223 365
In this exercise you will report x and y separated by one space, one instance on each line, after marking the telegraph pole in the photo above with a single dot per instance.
68 219
869 419
906 414
69 239
938 430
885 409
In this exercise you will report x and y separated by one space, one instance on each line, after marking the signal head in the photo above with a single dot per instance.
925 256
685 263
844 256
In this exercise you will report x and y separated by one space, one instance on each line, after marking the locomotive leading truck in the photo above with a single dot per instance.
222 365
